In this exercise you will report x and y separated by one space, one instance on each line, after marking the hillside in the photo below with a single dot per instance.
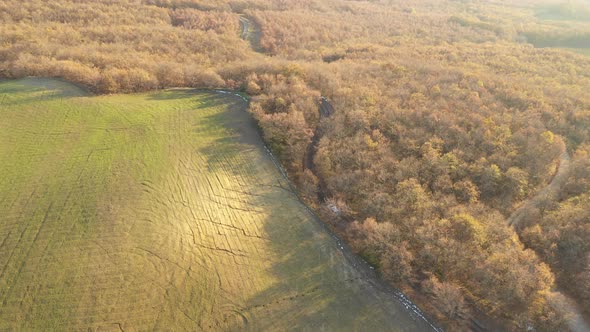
449 119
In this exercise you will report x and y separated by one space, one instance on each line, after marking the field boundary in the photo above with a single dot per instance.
365 271
358 263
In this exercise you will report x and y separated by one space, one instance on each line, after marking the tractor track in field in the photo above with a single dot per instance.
217 241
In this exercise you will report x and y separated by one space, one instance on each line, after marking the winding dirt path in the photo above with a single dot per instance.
367 274
245 25
251 32
551 190
568 307
325 111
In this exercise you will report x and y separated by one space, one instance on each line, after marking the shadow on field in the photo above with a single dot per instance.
305 295
242 135
314 287
38 89
206 98
308 293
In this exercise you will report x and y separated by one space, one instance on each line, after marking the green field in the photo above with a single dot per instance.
584 51
161 211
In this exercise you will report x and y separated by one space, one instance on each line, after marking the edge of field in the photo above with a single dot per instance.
364 269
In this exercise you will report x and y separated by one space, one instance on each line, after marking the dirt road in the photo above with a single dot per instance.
550 191
251 32
569 307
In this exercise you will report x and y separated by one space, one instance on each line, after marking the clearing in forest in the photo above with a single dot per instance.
161 211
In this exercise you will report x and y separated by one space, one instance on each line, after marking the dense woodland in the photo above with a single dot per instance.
449 115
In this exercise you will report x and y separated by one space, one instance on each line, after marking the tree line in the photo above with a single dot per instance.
446 121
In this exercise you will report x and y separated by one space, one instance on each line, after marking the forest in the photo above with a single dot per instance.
448 117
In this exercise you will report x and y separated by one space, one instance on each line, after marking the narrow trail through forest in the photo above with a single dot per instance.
367 271
550 191
325 111
245 25
251 32
569 307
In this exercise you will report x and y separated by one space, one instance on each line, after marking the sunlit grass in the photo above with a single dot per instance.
160 211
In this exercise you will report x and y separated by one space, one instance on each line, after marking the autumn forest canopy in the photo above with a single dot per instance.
457 156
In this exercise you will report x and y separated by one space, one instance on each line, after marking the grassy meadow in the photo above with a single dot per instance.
161 211
584 51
